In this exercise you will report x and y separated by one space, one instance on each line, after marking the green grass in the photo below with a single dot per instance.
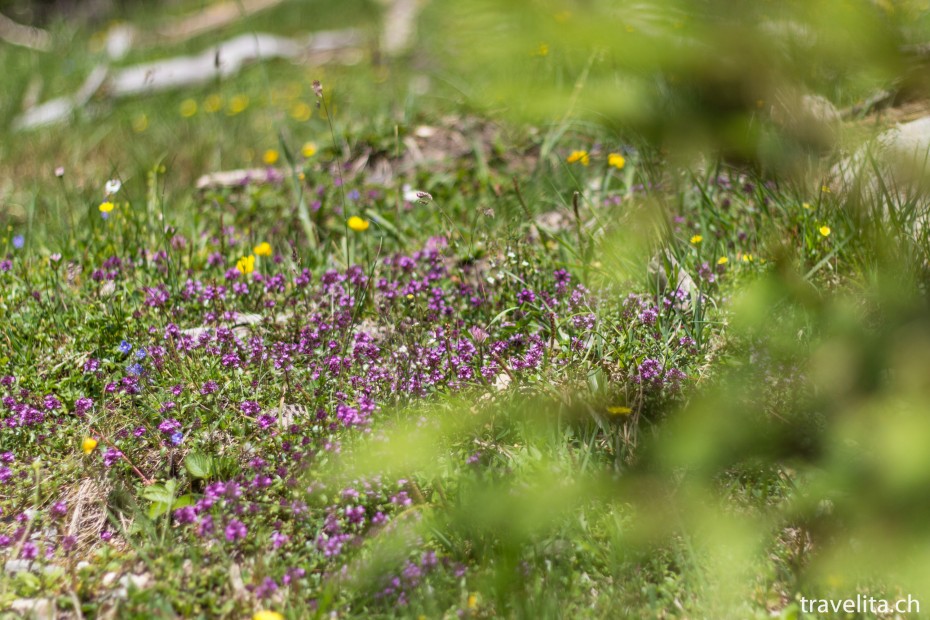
548 389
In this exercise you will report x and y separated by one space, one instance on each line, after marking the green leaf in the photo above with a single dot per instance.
161 496
184 500
157 509
198 465
158 493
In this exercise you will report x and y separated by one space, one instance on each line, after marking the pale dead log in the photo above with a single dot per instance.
213 17
399 26
57 110
220 61
119 40
24 36
33 92
239 178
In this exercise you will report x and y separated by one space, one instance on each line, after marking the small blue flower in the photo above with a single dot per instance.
18 241
140 354
134 369
125 347
177 438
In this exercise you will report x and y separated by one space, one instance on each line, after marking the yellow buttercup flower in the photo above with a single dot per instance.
237 104
806 205
106 207
188 108
262 249
472 601
213 104
270 157
358 224
723 260
88 445
267 615
616 160
301 112
246 264
309 149
825 231
140 123
696 239
581 157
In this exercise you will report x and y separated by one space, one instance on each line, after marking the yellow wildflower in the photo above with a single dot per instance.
106 207
825 231
88 445
696 239
542 50
472 601
213 104
188 108
825 189
619 410
237 104
579 157
301 112
616 160
246 264
270 157
806 205
262 249
747 258
358 224
309 149
140 123
723 260
267 615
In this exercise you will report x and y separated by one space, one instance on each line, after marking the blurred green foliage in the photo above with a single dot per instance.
685 75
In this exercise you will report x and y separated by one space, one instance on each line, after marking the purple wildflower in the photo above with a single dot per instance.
111 456
236 530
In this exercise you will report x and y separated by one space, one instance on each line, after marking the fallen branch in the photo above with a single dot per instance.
224 60
239 178
221 61
24 36
399 26
212 18
60 109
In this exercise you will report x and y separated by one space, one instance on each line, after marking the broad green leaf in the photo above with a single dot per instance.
198 465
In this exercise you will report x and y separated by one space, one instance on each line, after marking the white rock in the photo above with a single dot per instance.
897 159
15 566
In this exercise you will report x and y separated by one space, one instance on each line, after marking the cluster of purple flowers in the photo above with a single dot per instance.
345 345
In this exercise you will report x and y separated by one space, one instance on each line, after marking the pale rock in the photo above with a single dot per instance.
896 160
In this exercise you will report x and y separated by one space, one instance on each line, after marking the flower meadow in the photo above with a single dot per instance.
218 387
218 421
359 347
